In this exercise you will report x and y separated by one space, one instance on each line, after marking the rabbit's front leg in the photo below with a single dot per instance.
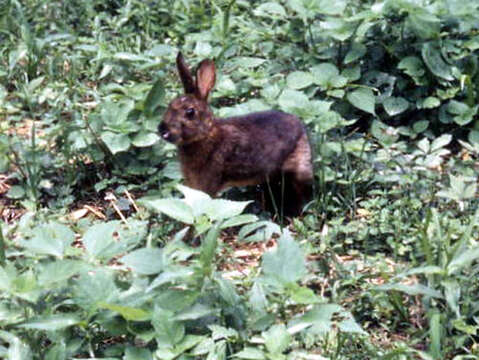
207 181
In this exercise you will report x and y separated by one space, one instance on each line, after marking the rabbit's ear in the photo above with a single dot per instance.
185 75
205 78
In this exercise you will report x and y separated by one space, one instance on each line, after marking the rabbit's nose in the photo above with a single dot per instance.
164 132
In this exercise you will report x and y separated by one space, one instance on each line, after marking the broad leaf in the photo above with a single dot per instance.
169 332
324 73
144 139
286 263
250 353
155 97
277 339
413 290
116 142
99 239
220 209
128 312
292 100
270 9
299 80
395 105
51 322
174 208
431 54
51 239
238 220
134 353
362 99
145 261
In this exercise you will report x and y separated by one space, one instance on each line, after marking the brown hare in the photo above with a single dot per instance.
258 148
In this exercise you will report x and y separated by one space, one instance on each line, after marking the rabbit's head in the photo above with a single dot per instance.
188 118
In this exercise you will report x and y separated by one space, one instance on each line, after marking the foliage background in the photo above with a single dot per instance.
382 264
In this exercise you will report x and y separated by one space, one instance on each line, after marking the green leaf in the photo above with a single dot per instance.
299 80
169 331
238 220
461 325
331 7
128 312
362 99
462 260
426 270
190 341
473 137
116 142
413 66
303 295
220 332
395 105
440 142
220 209
208 250
94 287
424 24
270 9
34 84
228 292
291 100
195 312
357 51
452 294
51 322
144 139
351 326
16 192
413 290
58 271
17 350
134 353
51 239
247 62
126 56
56 352
277 339
155 97
99 240
431 102
431 54
324 73
435 335
464 114
387 135
145 261
420 126
286 263
320 318
174 208
250 353
203 49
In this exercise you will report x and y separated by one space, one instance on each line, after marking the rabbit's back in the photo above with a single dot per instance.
256 145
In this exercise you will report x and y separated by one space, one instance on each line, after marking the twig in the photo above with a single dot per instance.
112 198
94 211
128 195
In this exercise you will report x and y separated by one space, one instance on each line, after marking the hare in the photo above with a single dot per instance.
258 148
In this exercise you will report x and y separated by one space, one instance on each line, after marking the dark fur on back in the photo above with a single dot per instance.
273 134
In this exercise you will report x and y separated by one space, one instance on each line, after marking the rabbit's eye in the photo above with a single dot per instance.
190 112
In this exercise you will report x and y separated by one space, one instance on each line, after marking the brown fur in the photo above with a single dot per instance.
245 150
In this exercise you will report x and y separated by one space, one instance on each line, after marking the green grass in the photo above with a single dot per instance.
383 263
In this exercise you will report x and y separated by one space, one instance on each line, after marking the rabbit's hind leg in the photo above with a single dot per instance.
285 194
298 178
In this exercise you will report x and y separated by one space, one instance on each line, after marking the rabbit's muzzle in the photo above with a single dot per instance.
167 133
